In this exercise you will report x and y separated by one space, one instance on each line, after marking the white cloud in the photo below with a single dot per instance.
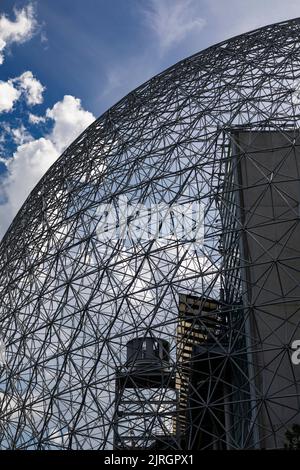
21 135
8 96
19 30
26 86
5 133
33 158
172 20
34 119
69 120
25 168
31 87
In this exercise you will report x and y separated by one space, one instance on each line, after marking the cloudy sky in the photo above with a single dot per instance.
64 62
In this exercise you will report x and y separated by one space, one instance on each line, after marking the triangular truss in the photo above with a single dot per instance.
220 128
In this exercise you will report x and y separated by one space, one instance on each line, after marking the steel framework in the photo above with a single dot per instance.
220 127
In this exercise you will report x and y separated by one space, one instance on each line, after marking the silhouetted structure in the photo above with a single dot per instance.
146 401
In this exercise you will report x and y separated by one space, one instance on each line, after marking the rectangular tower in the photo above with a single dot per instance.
267 194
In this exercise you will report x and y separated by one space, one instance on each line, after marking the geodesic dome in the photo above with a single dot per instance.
165 340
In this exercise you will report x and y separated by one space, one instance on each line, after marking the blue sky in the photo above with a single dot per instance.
64 62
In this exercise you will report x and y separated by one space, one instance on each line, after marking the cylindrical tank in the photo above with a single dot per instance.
148 352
